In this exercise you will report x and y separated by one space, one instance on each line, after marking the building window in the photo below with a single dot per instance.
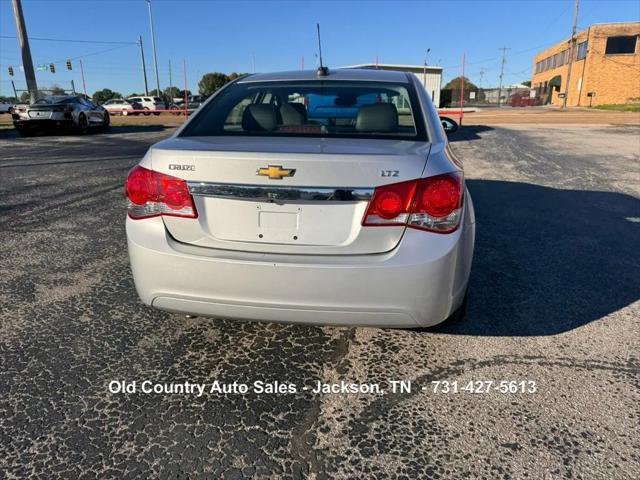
554 61
548 63
582 50
621 44
562 53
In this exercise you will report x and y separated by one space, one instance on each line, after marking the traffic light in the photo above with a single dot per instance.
52 67
69 65
11 71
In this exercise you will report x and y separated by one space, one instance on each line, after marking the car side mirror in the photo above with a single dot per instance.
449 125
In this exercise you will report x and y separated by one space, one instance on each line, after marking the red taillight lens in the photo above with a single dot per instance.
390 204
152 193
433 203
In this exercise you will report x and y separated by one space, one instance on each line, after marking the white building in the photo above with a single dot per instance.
430 75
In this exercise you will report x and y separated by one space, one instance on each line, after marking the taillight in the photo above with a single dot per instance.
433 203
152 193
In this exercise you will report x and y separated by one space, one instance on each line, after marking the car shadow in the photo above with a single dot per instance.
547 260
136 128
468 132
114 129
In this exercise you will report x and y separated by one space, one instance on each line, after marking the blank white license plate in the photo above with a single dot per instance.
40 114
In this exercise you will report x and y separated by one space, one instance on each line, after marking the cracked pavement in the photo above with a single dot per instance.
553 299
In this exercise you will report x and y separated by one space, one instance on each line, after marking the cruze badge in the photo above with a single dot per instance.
176 166
276 172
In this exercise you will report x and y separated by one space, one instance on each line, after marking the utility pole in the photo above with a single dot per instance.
23 40
482 72
144 68
170 83
73 87
153 47
504 60
84 85
572 45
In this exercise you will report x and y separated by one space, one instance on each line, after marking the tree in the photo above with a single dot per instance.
454 84
172 92
105 94
56 90
210 82
526 83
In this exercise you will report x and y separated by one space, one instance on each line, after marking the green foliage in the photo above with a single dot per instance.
454 84
624 107
171 93
210 82
105 94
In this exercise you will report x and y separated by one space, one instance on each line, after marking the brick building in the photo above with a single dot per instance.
606 66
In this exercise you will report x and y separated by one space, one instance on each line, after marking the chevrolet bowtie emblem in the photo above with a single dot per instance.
276 172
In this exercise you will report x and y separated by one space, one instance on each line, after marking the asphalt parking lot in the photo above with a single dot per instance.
554 300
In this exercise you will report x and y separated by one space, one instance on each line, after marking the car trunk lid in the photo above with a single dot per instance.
286 195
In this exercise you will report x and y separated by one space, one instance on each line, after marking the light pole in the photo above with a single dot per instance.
153 47
424 70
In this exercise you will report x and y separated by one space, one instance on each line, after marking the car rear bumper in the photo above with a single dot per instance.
43 124
420 283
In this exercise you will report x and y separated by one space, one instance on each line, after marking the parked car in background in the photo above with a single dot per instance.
149 103
120 106
6 107
59 112
353 213
193 103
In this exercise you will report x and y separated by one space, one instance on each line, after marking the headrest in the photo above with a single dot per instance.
378 117
259 117
293 114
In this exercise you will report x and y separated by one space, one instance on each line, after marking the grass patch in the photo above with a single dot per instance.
626 107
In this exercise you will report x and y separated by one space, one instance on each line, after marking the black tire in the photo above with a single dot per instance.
106 121
147 113
156 113
83 124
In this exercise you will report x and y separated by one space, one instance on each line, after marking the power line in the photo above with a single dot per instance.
72 41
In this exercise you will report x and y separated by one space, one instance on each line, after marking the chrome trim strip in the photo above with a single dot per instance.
275 192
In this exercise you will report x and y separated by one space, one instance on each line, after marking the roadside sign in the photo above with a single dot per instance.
41 68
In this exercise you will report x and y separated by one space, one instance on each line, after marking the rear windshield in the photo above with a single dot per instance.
312 108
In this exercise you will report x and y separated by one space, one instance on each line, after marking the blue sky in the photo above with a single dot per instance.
227 36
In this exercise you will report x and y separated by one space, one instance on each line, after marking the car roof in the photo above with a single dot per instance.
340 74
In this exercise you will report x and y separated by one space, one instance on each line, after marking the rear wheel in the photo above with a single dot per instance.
106 120
156 113
83 124
147 111
125 113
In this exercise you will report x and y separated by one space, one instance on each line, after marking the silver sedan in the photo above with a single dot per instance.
318 198
71 112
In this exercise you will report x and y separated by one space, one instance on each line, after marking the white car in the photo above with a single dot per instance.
149 103
304 197
120 106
